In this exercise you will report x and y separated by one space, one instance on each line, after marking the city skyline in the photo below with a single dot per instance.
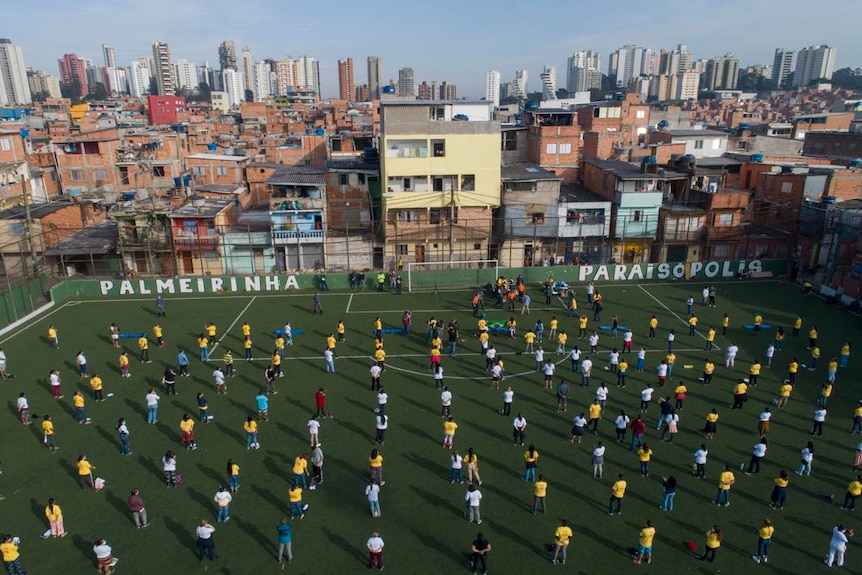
478 38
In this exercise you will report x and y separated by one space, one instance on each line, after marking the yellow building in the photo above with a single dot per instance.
440 167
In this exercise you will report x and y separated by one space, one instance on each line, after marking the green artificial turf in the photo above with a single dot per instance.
422 523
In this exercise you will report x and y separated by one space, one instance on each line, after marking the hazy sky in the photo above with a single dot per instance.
441 40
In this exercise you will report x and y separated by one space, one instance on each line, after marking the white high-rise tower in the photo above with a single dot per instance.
14 87
492 87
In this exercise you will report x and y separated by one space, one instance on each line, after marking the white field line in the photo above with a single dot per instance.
349 301
227 331
26 327
673 313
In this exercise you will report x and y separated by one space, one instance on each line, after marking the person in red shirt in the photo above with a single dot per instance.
320 402
637 426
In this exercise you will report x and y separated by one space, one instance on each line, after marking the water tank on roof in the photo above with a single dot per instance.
531 105
320 131
663 124
856 163
620 96
212 147
827 199
757 158
787 169
650 160
688 161
388 89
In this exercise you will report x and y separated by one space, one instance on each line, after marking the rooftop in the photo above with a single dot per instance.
37 211
626 171
298 176
526 173
573 192
694 133
98 239
217 157
220 189
211 208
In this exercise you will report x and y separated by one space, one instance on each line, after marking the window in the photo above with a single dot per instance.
406 216
221 171
537 218
437 184
640 114
719 251
407 184
158 171
725 219
716 144
100 175
5 144
786 187
637 215
16 229
401 249
210 255
698 144
468 182
551 149
510 141
362 179
477 246
76 175
438 148
124 175
438 215
343 179
565 148
199 170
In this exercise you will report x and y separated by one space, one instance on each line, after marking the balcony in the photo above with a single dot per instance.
132 240
196 242
281 237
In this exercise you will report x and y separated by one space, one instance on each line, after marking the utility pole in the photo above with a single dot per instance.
451 223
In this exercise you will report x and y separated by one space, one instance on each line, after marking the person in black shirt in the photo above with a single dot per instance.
481 547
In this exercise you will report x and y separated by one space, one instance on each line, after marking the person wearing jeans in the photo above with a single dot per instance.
373 493
618 491
152 406
285 540
223 499
531 458
669 484
457 463
137 509
561 542
764 538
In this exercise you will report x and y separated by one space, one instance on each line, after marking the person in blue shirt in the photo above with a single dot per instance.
183 361
285 540
203 408
262 406
540 330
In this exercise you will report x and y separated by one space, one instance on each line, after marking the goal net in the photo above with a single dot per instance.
431 276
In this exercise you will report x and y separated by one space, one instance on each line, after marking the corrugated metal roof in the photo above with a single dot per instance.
298 176
98 239
525 173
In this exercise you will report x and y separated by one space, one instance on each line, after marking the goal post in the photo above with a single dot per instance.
430 276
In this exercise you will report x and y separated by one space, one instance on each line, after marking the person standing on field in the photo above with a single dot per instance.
479 550
562 535
285 540
137 509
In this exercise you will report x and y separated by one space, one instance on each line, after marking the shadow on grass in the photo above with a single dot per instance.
360 405
85 547
182 535
433 468
438 502
291 432
217 477
70 467
271 499
255 533
518 538
117 503
420 406
420 433
168 432
235 435
339 542
272 467
201 499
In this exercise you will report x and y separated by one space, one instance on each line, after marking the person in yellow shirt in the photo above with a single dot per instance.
711 424
330 343
247 345
562 536
573 306
708 369
144 346
540 490
758 322
764 538
203 346
233 475
211 332
779 338
784 393
187 432
449 427
471 460
80 410
554 323
754 373
246 329
644 454
529 338
85 472
96 386
740 395
53 337
300 470
375 462
725 482
670 358
378 343
378 328
797 325
845 354
679 395
653 324
279 345
713 542
725 323
595 415
275 363
250 427
692 324
710 339
380 358
531 463
11 555
618 491
854 490
339 329
295 496
511 327
48 434
815 357
582 326
55 519
437 343
562 338
832 370
812 337
645 538
482 325
825 394
125 366
779 491
158 333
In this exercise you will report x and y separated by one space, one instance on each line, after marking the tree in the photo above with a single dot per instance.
97 92
72 91
40 96
755 83
847 78
562 93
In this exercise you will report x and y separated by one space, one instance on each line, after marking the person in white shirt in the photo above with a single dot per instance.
473 499
598 460
586 372
838 545
23 407
730 355
372 491
757 455
456 464
622 424
223 499
591 289
80 359
381 425
763 422
508 396
288 334
770 353
628 338
152 399
646 397
438 376
661 372
705 294
575 356
689 303
700 462
540 357
519 431
54 380
329 360
445 402
613 360
219 380
375 550
807 460
205 543
382 399
602 394
104 556
496 376
594 343
123 431
548 370
375 376
313 426
819 419
579 424
671 337
641 359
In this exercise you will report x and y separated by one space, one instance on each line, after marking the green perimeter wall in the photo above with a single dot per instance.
23 299
599 274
